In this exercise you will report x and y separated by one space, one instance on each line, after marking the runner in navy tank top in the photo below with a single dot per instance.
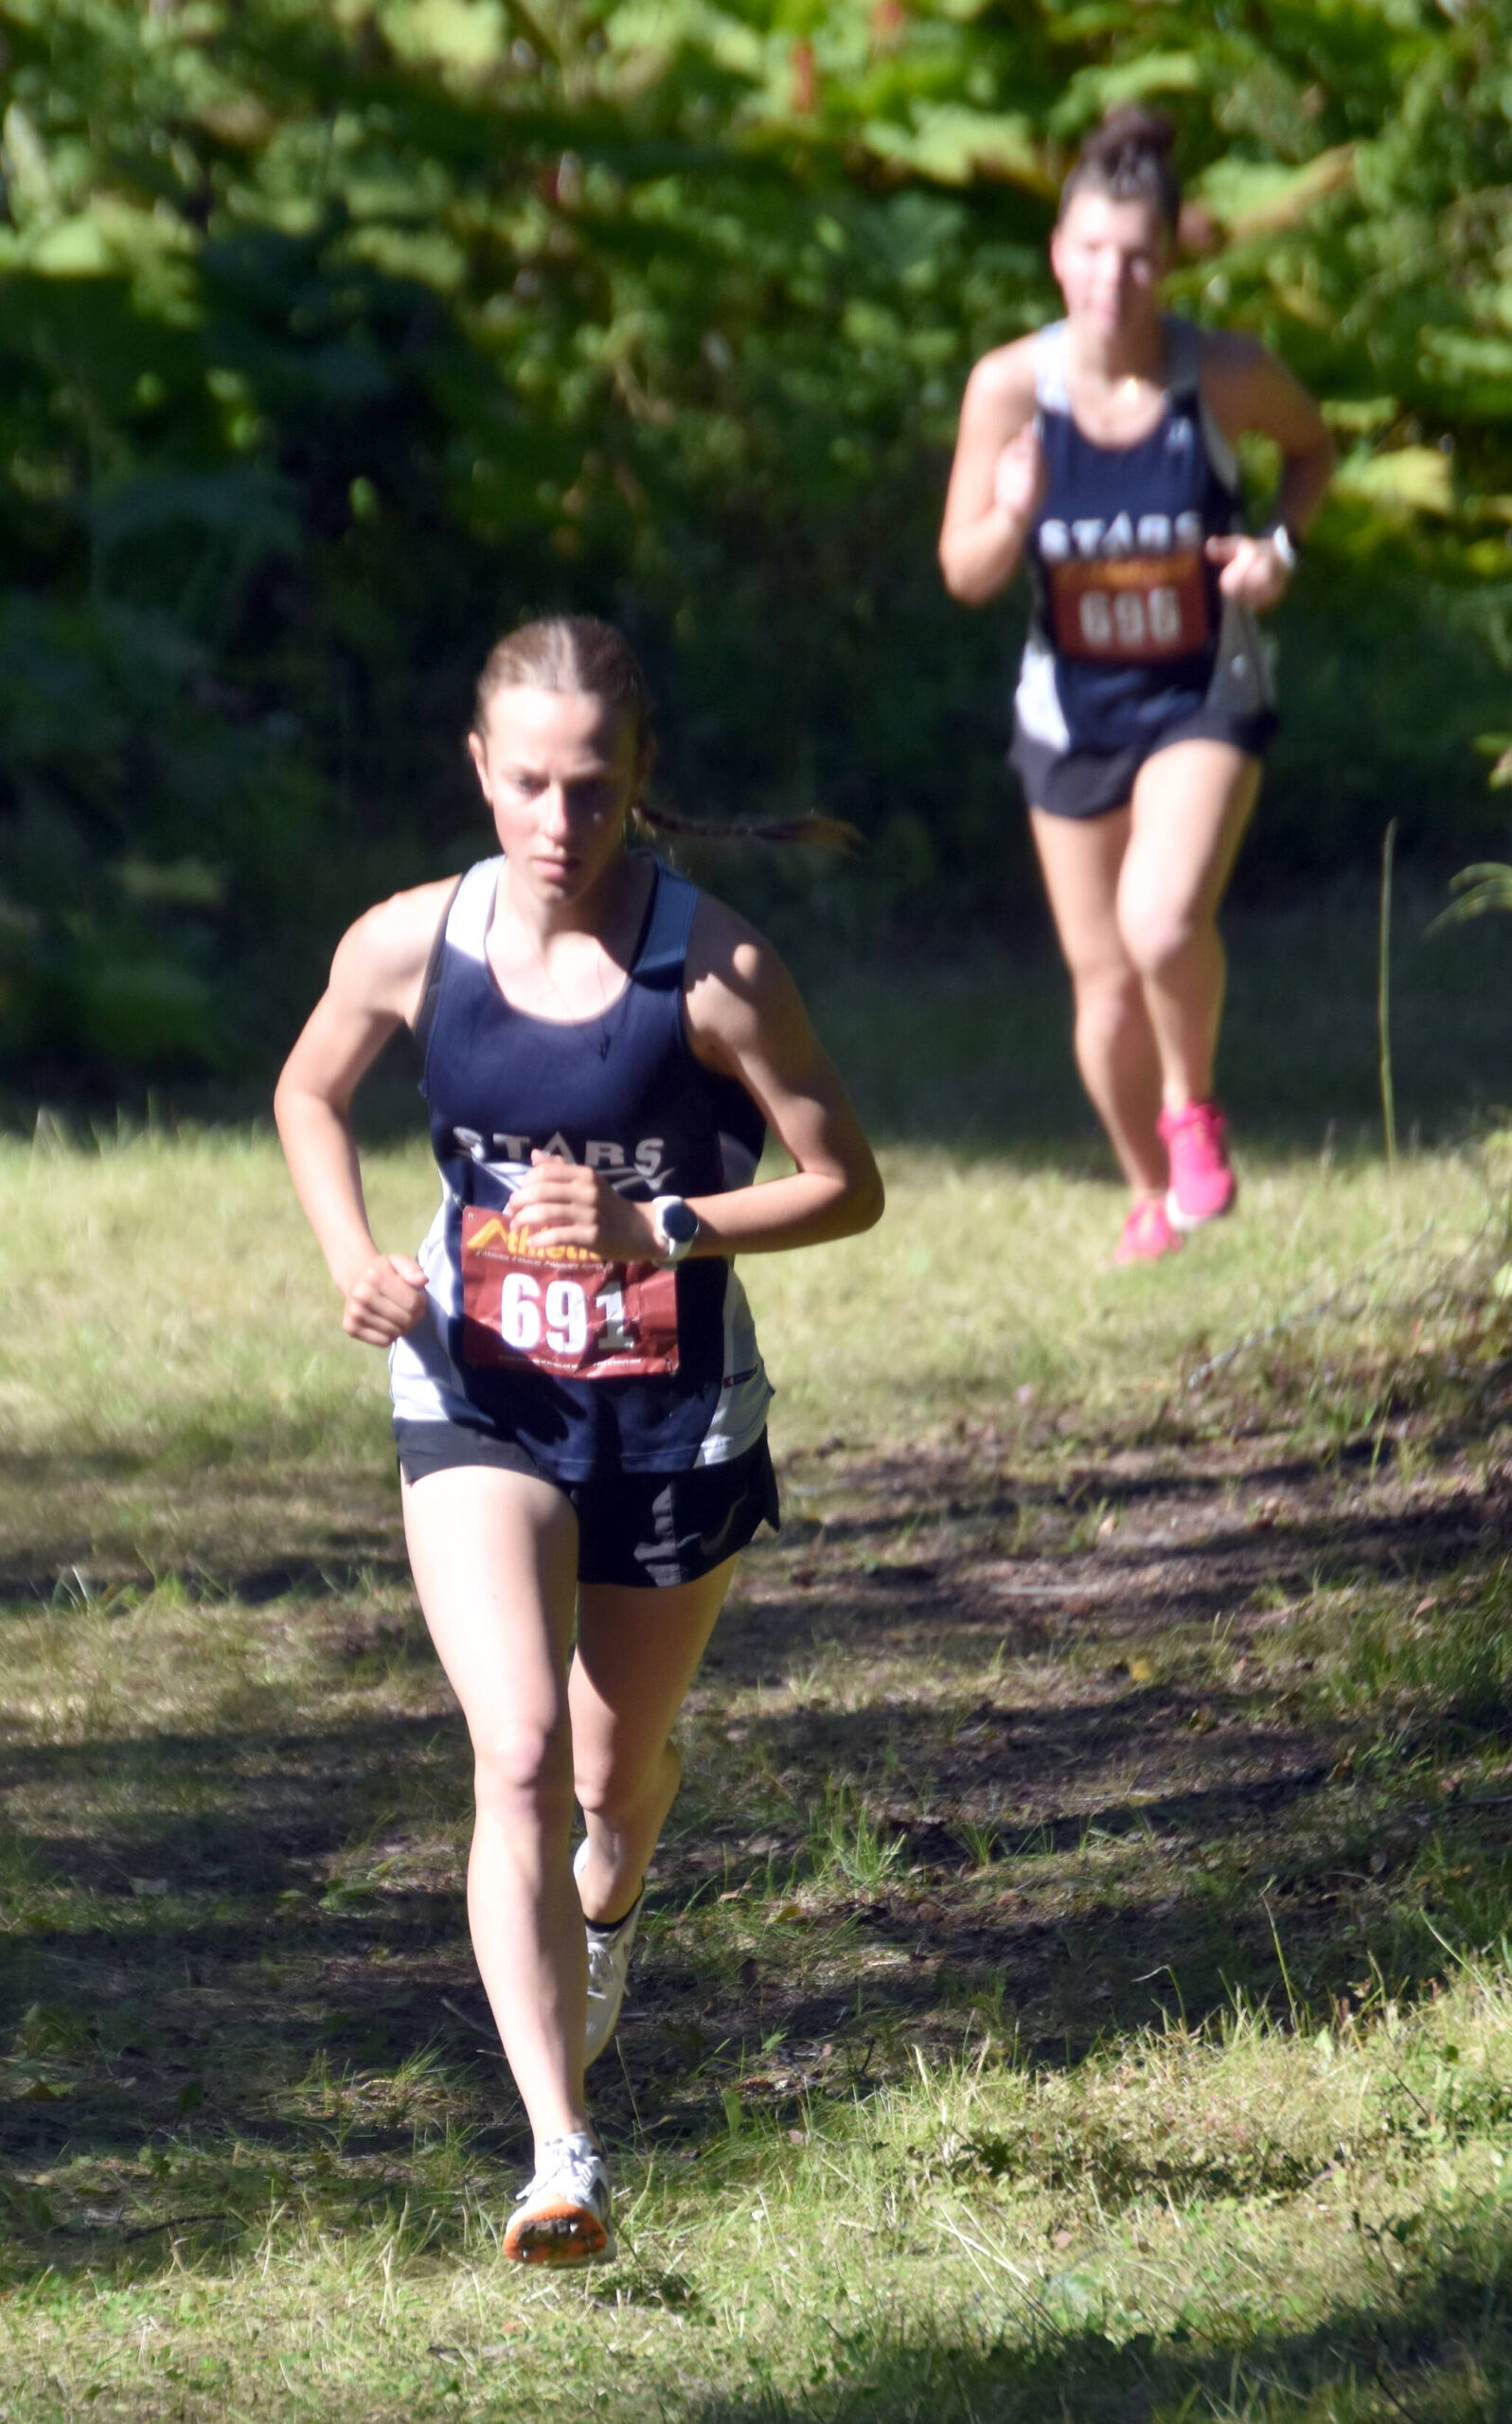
1101 452
1132 641
579 1405
624 1097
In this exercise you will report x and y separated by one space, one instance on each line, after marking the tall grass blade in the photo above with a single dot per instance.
1388 1090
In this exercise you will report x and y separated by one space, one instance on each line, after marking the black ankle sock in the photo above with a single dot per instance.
611 1927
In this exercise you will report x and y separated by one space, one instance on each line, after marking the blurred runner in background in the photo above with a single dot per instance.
1101 451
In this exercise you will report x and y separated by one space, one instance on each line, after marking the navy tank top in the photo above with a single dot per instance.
1129 631
622 1094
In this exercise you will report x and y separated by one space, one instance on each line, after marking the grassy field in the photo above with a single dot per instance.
1076 1978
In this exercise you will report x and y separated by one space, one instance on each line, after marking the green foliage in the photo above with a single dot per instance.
337 335
1476 890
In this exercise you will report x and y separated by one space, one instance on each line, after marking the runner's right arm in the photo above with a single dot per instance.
996 478
376 979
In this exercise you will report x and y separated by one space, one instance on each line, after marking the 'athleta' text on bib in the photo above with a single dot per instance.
562 1308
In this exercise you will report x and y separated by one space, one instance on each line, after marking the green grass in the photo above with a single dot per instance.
1075 1976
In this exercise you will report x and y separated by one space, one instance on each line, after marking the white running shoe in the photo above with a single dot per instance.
609 1951
563 2218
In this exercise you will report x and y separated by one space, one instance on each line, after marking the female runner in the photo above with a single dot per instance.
580 1403
1102 449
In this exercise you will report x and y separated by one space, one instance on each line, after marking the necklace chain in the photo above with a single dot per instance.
605 1039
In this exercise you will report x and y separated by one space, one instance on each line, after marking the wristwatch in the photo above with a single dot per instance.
1285 543
676 1226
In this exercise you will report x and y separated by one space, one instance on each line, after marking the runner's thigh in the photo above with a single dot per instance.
637 1653
1081 858
1190 807
495 1555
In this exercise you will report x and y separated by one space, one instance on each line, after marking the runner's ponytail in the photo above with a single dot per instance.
583 654
809 833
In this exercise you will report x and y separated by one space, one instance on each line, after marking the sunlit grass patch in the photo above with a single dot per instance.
989 1292
1236 2216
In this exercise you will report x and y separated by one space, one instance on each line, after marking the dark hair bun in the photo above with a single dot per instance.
1128 158
1131 128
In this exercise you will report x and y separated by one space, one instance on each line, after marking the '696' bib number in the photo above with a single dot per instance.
1131 611
562 1308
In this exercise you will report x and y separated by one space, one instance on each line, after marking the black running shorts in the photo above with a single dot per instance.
1093 782
648 1530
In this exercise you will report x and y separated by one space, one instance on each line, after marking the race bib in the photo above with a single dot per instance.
560 1307
1129 609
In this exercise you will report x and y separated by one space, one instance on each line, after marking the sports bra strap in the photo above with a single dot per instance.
663 956
1183 356
431 990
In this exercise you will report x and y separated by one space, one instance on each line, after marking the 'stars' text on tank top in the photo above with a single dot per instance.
623 1163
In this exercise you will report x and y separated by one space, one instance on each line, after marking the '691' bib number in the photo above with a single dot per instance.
560 1307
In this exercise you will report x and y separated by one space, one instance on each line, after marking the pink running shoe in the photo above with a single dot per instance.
1147 1234
1202 1184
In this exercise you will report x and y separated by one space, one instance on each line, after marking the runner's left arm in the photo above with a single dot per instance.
746 1020
1249 389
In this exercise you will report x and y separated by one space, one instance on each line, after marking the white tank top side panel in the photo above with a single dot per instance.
741 1414
421 1377
471 912
1051 393
1037 701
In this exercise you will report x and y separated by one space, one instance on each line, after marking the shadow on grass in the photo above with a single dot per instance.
78 1522
1434 2346
209 1930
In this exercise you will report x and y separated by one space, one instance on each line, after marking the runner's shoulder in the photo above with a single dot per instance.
383 956
734 978
725 945
1003 380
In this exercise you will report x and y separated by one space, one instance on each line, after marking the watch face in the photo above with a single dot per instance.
680 1223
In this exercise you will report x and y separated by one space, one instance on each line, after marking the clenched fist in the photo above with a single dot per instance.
564 1204
1019 476
385 1300
1254 571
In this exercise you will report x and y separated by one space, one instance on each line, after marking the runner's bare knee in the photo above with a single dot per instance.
523 1771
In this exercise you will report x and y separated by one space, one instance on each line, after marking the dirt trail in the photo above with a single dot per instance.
988 1747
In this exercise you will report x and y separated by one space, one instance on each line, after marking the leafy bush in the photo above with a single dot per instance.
335 338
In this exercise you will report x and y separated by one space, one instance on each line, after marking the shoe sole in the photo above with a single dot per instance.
1186 1221
568 2235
